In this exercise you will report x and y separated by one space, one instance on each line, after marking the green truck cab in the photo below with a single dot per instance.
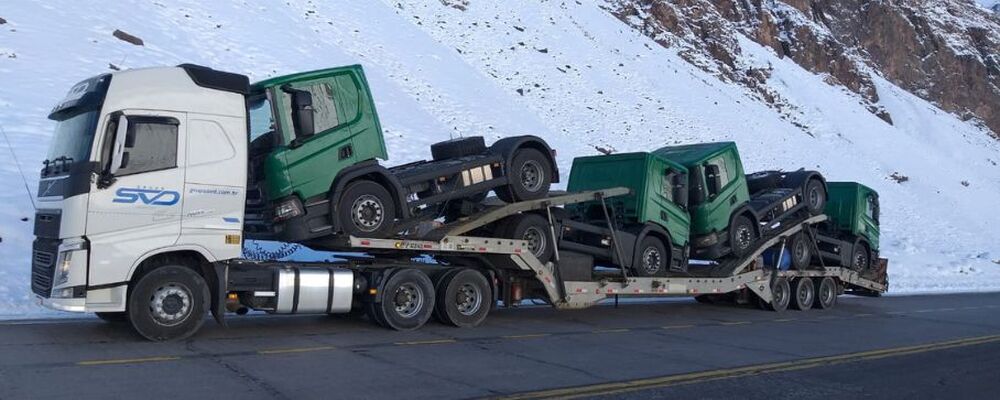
315 141
851 235
652 220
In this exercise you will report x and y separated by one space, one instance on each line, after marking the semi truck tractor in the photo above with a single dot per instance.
850 237
145 199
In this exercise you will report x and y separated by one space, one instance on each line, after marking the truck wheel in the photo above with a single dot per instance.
113 317
530 175
534 229
826 294
366 209
168 303
801 251
804 293
780 295
815 197
463 299
459 147
653 258
741 236
407 301
859 259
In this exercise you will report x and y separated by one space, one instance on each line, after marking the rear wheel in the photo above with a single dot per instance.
741 235
366 209
463 299
653 258
168 303
826 294
529 176
532 228
780 295
815 196
804 293
407 301
801 251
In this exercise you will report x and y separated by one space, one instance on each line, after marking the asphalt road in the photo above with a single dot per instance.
891 347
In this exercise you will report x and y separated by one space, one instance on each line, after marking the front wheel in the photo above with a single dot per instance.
860 261
741 236
168 303
529 177
653 258
815 196
532 228
801 251
366 209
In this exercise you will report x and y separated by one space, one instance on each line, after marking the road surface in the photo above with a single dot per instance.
902 347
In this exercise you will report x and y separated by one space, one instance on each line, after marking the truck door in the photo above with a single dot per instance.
722 197
135 205
869 219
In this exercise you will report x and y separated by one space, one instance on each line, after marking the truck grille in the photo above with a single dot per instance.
43 262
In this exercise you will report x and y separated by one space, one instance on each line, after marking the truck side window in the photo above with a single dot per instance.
871 211
324 103
668 187
719 162
154 146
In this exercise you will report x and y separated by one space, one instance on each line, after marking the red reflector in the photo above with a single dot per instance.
427 246
366 242
482 249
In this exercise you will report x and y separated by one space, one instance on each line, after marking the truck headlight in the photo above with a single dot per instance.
64 263
288 208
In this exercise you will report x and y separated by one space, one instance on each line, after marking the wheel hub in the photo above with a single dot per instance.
468 299
743 237
536 241
408 300
367 213
651 260
170 304
532 176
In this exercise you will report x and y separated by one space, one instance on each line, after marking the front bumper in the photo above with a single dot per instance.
69 305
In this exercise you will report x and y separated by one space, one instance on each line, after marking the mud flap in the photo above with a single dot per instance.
219 293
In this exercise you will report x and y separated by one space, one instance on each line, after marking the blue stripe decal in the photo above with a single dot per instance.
231 220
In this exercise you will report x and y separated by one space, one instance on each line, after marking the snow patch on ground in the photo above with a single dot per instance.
566 71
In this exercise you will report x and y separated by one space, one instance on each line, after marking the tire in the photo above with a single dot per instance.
366 209
168 303
530 175
803 294
407 301
652 258
763 180
463 299
742 235
814 195
801 251
861 258
826 294
113 317
459 147
534 229
780 295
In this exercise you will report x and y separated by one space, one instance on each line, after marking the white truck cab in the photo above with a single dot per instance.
143 163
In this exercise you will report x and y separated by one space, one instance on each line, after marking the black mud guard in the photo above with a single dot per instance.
508 145
367 167
798 179
219 292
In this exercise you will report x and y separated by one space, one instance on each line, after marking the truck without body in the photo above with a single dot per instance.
850 237
152 184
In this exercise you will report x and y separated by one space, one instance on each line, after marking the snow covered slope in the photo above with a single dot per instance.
566 71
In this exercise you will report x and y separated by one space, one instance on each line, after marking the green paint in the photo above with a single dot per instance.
853 209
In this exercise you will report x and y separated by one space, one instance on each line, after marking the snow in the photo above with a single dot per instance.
437 72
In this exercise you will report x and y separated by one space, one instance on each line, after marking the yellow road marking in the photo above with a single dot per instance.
705 376
418 342
678 326
734 323
295 350
527 336
610 330
127 361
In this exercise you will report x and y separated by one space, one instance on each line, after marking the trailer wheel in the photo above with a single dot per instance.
407 301
653 258
113 317
804 294
826 294
801 251
780 295
463 299
860 261
366 209
530 175
168 303
741 235
532 228
815 197
458 147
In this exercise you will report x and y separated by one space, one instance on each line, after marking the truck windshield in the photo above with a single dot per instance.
73 137
261 119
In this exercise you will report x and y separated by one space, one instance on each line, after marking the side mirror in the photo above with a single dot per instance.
302 112
118 156
712 179
679 183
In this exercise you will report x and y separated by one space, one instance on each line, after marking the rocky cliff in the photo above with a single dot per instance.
945 51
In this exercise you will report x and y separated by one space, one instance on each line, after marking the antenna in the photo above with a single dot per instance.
19 170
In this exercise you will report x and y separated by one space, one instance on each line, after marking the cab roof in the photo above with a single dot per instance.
299 76
692 154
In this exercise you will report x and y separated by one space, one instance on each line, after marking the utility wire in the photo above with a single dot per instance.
19 170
